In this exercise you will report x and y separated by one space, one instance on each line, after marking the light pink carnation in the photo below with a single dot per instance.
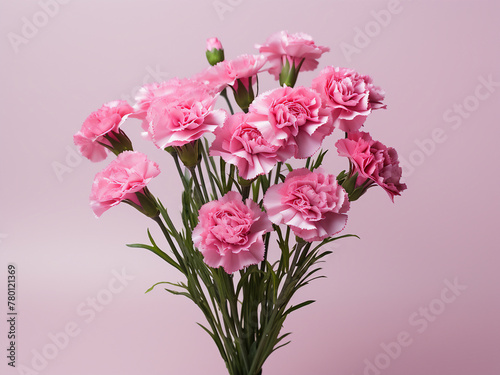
350 95
228 72
175 120
242 144
148 93
293 119
105 122
128 174
294 47
374 161
312 204
229 232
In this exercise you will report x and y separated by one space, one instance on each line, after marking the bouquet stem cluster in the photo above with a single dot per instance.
243 202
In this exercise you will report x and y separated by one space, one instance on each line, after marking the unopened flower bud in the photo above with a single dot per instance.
215 52
190 154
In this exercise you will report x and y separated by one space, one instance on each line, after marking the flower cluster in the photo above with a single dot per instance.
260 180
275 126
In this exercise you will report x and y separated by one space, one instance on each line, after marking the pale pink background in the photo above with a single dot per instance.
428 57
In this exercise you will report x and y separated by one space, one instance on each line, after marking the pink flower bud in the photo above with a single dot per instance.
213 43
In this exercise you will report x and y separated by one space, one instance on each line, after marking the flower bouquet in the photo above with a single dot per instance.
254 222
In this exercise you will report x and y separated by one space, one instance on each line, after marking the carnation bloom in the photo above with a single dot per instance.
148 93
373 161
229 232
312 204
102 127
229 72
296 49
349 95
293 119
183 117
242 144
123 179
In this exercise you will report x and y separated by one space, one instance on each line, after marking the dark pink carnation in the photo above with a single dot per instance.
242 144
293 119
103 123
312 204
296 48
374 161
349 95
229 232
128 174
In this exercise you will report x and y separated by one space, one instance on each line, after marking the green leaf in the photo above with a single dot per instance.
319 161
299 306
158 252
153 286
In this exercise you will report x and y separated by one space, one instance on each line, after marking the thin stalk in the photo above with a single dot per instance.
164 229
200 172
278 172
231 178
207 166
179 170
224 95
245 191
198 192
266 246
223 175
308 162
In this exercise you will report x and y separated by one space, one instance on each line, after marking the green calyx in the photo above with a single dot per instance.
289 74
242 95
190 154
215 56
349 184
147 203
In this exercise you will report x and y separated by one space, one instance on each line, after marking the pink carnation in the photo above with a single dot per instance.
128 174
242 144
374 161
229 232
294 47
148 93
183 117
293 119
312 204
228 72
103 123
349 95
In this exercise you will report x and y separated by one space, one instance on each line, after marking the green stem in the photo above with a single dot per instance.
278 172
245 191
230 180
179 170
283 299
308 162
224 95
200 172
164 229
207 166
198 192
266 246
